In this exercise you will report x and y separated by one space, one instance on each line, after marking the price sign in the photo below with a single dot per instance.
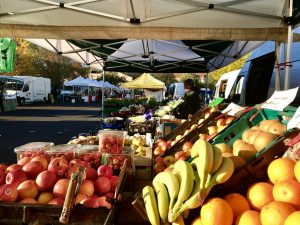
280 99
232 109
216 102
295 121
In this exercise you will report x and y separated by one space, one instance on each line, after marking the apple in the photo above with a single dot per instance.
183 157
16 177
173 143
179 154
74 169
33 168
204 136
229 120
187 147
105 171
186 132
159 167
2 177
220 122
157 151
104 203
24 161
193 127
60 188
161 143
56 201
178 137
212 130
3 168
80 198
200 121
110 195
45 197
102 185
159 160
91 174
46 180
114 182
91 202
79 162
59 166
206 115
27 189
14 167
28 201
169 143
87 188
169 160
42 159
8 193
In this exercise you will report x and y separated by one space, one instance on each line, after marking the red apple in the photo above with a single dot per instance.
3 167
102 185
91 202
114 182
59 166
161 142
27 189
87 188
187 147
75 162
42 159
80 198
169 143
103 203
16 177
46 180
2 177
45 197
179 154
159 167
8 193
56 201
159 160
60 188
157 151
105 171
24 161
28 201
110 195
33 168
14 167
74 169
91 174
183 157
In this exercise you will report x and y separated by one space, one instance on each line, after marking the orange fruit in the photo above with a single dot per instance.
238 203
260 194
197 221
287 191
275 213
249 217
281 169
297 171
293 219
216 211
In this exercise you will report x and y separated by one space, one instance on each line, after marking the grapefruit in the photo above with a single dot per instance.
249 217
259 194
238 203
293 219
281 169
287 191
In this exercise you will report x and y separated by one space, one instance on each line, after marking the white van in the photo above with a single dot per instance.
176 90
225 84
29 88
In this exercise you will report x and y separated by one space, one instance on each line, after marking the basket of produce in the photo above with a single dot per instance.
116 123
32 149
89 154
66 151
85 140
111 141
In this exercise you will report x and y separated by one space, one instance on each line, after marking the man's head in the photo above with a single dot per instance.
188 85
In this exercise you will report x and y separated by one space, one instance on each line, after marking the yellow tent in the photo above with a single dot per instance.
145 81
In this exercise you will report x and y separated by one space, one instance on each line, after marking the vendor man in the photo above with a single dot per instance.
192 96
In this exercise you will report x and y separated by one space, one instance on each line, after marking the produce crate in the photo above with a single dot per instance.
167 127
248 120
141 128
256 170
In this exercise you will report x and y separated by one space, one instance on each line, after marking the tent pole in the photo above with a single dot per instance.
288 49
277 71
206 87
102 100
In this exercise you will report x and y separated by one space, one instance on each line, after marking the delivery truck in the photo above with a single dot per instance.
28 89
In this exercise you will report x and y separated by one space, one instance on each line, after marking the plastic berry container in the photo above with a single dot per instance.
89 154
111 141
67 151
32 149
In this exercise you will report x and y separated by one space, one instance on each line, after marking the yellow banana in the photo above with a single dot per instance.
216 163
221 175
194 150
179 221
171 182
185 174
162 200
151 205
205 165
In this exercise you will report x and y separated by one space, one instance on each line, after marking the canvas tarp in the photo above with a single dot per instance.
145 81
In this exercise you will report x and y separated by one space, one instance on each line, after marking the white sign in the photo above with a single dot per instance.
232 109
295 121
280 99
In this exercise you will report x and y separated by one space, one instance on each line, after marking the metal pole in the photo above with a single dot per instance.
277 71
288 49
102 100
206 87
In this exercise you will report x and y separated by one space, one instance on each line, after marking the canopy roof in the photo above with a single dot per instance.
147 19
145 81
78 81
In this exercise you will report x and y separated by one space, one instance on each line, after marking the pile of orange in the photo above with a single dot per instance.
275 202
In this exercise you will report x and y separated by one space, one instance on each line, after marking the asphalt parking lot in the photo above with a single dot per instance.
54 123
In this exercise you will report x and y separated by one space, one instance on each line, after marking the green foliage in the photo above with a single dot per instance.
167 78
119 103
113 78
152 103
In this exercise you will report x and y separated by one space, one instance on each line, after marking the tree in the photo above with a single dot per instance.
167 78
114 78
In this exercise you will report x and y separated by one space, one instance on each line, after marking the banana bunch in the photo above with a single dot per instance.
187 186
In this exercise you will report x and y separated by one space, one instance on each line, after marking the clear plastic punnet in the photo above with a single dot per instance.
32 149
89 154
67 151
111 141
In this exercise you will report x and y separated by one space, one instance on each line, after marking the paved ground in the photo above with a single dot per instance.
55 123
